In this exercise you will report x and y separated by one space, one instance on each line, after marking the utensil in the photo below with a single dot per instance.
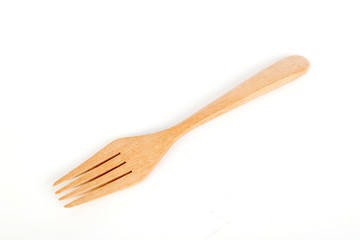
127 161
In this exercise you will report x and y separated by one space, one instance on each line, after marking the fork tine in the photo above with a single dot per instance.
93 173
119 184
118 172
101 156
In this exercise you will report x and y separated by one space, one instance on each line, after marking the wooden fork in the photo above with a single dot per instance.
127 161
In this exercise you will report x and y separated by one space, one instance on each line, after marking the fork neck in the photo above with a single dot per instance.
184 127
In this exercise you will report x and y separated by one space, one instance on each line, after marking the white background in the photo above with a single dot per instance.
75 75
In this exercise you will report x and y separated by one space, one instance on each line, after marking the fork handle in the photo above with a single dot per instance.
272 77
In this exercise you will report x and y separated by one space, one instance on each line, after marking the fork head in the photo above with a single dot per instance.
122 163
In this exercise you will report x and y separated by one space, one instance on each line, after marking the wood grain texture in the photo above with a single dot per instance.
127 161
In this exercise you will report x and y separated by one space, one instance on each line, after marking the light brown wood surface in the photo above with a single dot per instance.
127 161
